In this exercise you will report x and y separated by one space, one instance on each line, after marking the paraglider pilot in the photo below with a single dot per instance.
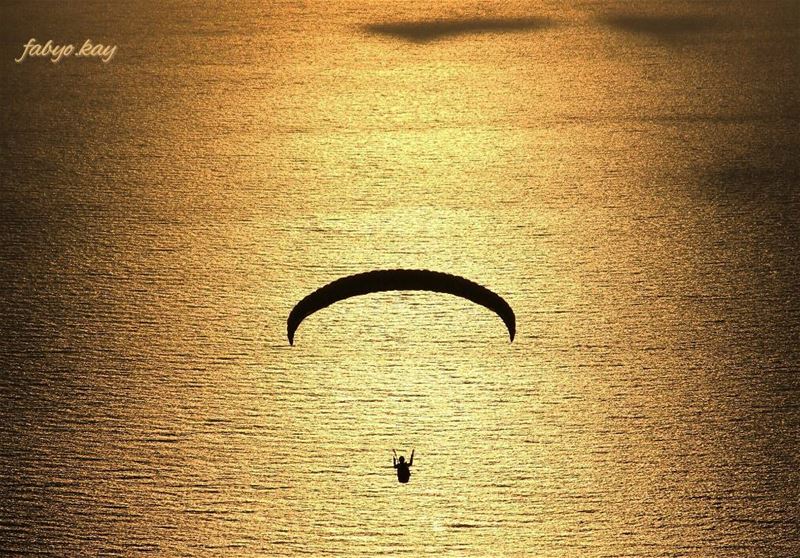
403 471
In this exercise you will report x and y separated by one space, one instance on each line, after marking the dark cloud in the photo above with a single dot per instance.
664 27
431 30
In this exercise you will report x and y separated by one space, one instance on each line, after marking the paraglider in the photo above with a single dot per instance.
399 280
403 471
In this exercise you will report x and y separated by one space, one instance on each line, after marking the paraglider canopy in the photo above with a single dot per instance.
399 280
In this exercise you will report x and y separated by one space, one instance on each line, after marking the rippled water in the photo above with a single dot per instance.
624 174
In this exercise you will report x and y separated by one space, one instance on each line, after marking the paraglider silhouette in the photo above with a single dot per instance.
399 280
403 471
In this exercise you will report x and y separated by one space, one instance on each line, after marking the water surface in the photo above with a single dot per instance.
624 174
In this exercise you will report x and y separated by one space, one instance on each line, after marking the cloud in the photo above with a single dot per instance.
422 31
667 28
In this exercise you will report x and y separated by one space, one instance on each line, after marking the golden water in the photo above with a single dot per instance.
624 174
